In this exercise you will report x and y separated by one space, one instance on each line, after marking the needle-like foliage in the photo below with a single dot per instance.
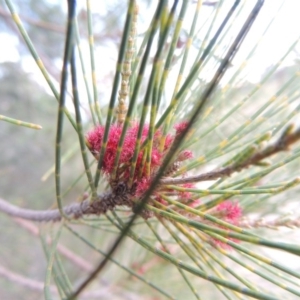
184 170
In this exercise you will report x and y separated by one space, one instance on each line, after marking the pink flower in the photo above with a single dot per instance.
142 186
156 157
186 195
184 155
222 244
94 139
180 127
229 211
141 177
168 142
161 200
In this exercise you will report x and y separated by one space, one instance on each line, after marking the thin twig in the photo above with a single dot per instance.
106 201
38 286
282 144
272 224
76 209
70 255
103 36
37 23
24 281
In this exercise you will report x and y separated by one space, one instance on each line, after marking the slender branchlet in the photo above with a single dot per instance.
119 196
126 70
272 224
282 144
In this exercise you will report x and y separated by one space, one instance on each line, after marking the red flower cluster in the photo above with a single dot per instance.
229 211
180 127
94 140
186 195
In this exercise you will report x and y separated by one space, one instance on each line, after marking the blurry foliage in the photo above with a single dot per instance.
27 155
22 98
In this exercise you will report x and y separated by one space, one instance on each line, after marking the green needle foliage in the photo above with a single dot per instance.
177 181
